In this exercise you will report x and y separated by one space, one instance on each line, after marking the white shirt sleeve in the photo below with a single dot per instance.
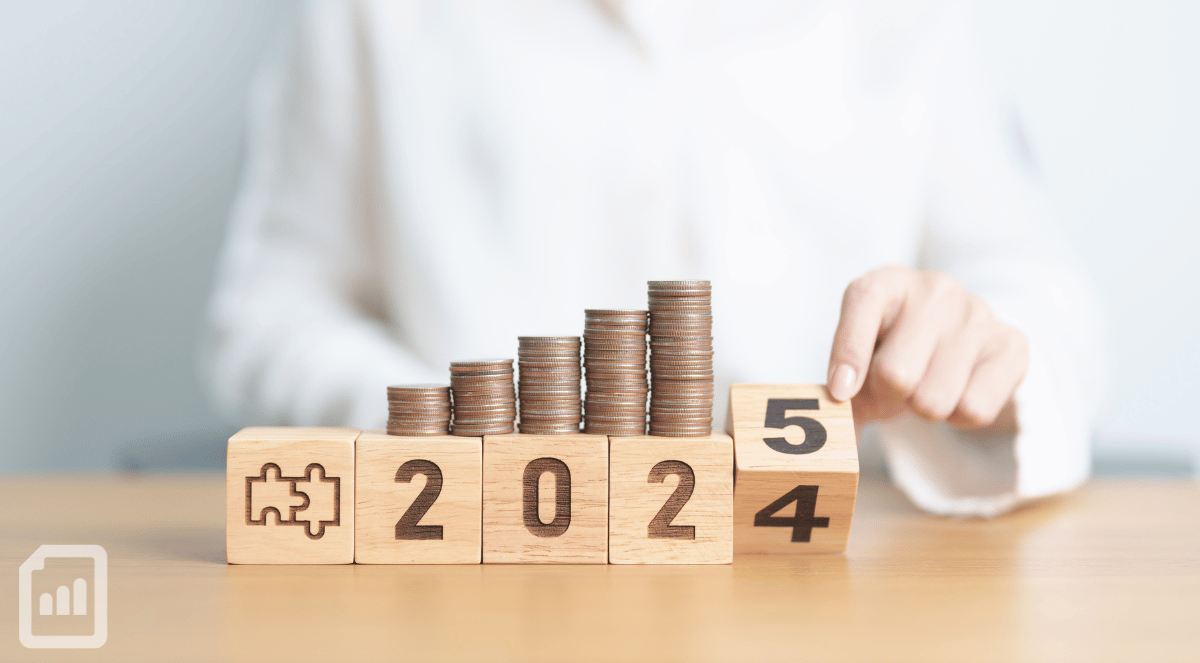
296 330
989 227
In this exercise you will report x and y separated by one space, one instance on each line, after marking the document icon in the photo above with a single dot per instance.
64 598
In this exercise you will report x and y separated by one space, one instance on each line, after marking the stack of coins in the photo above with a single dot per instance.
681 358
485 401
549 384
418 409
614 356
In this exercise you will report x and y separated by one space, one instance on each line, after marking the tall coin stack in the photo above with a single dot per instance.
418 409
485 401
681 358
614 356
549 384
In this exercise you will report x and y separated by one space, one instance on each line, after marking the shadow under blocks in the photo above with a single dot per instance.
339 496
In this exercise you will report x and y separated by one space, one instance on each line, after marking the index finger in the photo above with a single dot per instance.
869 306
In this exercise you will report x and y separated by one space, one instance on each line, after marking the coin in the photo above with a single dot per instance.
614 362
418 409
681 358
549 375
484 397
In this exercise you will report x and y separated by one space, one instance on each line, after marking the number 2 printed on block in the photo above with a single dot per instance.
660 527
407 527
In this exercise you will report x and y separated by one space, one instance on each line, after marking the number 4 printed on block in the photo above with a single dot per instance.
803 522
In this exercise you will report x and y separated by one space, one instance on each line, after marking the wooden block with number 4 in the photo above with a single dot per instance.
797 469
419 500
545 499
670 500
289 496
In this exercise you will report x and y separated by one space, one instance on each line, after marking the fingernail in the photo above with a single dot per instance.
841 387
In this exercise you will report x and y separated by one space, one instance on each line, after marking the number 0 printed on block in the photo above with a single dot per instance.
545 499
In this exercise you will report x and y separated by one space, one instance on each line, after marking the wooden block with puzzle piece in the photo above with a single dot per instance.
289 496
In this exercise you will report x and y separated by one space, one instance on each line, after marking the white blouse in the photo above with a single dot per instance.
430 179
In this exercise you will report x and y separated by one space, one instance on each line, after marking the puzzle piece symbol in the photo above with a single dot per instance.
271 493
315 495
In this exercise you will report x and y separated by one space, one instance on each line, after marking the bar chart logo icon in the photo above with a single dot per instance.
64 597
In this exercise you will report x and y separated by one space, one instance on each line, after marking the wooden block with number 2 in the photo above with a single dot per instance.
797 469
419 499
670 500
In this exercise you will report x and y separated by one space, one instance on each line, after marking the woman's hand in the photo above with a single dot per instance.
916 339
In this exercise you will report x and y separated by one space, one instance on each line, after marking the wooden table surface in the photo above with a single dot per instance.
1111 572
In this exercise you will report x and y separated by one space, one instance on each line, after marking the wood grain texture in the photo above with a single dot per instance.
289 496
645 476
1108 573
393 483
780 477
523 522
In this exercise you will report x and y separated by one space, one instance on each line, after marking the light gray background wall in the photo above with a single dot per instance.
1110 93
121 136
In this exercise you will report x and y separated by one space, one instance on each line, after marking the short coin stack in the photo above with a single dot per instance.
418 409
549 384
614 356
681 358
485 401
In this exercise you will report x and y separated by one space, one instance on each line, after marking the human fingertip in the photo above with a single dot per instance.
842 382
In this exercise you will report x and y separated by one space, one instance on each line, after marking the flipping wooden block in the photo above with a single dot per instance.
670 500
402 519
545 499
797 469
289 496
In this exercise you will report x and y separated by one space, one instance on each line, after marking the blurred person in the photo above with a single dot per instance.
428 180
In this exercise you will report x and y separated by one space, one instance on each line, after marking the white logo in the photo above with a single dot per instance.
62 598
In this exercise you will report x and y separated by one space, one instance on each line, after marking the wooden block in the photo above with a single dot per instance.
545 499
418 500
289 496
670 500
796 460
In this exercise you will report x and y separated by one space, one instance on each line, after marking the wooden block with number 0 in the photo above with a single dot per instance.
670 500
545 499
289 496
418 499
797 469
